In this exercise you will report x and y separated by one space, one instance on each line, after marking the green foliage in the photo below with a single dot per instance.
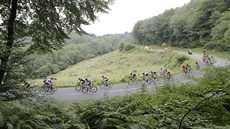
222 28
201 105
126 46
192 25
129 47
44 26
87 47
222 45
39 113
121 47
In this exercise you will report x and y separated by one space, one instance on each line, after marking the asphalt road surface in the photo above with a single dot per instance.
68 95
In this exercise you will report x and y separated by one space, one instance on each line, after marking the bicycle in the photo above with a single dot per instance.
133 80
197 67
168 77
48 89
78 87
86 88
154 77
105 84
146 79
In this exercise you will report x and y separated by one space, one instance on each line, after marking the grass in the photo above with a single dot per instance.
118 65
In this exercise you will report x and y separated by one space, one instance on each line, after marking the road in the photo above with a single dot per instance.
69 95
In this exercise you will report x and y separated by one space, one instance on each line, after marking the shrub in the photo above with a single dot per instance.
181 59
220 45
121 47
126 47
129 47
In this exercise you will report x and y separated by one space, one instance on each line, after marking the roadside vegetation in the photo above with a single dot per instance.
202 105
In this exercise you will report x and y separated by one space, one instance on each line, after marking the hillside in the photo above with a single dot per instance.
117 65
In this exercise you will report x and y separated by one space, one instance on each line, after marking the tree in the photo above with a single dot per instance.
44 24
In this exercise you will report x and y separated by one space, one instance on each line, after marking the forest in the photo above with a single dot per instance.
200 23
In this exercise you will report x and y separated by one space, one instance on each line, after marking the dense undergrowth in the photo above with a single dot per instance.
202 105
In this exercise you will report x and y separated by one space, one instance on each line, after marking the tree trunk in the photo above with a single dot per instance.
9 43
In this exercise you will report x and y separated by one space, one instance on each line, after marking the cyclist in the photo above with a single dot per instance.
26 84
48 83
133 76
211 59
81 81
184 69
153 74
197 65
189 52
163 71
105 80
88 82
189 68
169 75
145 76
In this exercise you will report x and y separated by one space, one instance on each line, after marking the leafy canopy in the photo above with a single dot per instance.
47 23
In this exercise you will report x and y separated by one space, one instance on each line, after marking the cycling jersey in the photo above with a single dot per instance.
81 81
105 78
88 82
153 72
133 75
48 82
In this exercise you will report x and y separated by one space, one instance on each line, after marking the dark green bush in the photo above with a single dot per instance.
129 47
126 46
220 45
182 59
121 47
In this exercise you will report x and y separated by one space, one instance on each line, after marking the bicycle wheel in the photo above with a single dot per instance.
43 90
143 81
110 84
171 78
130 82
93 89
85 89
77 88
53 90
102 85
136 81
